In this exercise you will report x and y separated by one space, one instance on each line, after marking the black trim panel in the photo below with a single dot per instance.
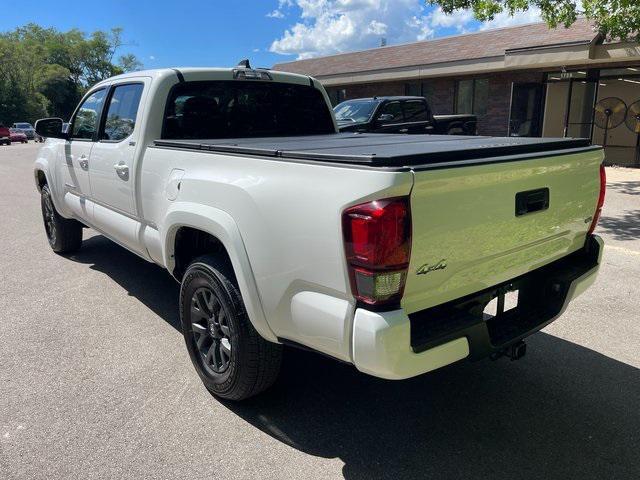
179 75
542 297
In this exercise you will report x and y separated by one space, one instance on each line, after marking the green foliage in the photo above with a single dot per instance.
44 72
615 19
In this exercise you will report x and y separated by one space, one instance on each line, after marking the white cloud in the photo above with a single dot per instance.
458 19
326 27
505 20
275 14
278 12
332 26
376 28
151 57
256 50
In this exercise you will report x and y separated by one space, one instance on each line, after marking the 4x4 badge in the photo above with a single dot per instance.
426 268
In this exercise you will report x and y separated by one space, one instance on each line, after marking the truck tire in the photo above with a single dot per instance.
232 359
64 235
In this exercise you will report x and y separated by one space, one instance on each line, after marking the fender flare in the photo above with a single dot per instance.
42 165
221 225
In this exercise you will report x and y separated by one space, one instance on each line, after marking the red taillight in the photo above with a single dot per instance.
603 189
377 238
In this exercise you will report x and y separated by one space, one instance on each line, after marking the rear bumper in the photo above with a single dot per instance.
395 345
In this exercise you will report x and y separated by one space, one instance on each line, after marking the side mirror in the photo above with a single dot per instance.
50 128
385 117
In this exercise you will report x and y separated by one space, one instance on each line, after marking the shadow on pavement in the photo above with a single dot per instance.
562 412
149 283
629 187
626 227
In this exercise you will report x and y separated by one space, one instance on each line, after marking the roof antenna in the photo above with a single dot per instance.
244 63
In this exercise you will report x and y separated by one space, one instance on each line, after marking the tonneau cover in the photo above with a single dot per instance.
383 150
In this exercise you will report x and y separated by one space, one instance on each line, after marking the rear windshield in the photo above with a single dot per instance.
354 110
233 109
23 125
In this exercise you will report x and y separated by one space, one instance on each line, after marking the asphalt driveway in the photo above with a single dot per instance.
95 381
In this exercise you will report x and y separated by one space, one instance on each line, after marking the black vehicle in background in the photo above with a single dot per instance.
399 115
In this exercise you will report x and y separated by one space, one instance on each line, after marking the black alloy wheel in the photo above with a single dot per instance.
233 361
211 331
48 215
64 234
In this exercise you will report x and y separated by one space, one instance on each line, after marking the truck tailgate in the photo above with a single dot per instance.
480 225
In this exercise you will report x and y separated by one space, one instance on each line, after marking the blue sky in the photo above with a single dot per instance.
166 33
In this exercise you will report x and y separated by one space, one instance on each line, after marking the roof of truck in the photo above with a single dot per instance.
383 98
185 71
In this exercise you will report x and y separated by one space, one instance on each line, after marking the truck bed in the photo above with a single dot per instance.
388 150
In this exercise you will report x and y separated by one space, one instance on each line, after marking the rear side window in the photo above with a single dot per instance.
415 111
86 119
233 109
122 111
392 112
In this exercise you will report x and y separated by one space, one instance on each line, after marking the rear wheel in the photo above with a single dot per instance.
64 235
232 359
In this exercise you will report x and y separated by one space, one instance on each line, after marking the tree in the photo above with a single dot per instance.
44 72
615 19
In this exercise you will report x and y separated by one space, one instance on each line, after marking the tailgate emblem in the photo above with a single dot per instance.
426 268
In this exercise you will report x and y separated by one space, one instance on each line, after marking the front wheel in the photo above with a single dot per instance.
232 359
64 235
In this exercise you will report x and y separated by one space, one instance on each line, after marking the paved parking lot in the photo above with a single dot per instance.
95 381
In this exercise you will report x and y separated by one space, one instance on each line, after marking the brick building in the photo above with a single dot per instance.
527 80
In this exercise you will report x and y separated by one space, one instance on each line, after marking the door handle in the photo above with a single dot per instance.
83 162
403 130
122 171
532 201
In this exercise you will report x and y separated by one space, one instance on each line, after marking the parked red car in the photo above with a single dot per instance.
5 135
16 135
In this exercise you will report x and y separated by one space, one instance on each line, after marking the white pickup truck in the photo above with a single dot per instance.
383 251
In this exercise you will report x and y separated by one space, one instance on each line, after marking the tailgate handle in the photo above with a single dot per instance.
532 201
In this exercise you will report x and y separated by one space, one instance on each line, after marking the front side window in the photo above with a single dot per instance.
391 113
354 110
235 109
122 111
86 119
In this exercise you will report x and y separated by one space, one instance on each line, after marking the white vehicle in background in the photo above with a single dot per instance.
378 250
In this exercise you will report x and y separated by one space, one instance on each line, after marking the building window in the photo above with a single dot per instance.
419 89
337 95
471 96
413 89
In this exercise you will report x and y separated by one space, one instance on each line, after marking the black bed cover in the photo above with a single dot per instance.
387 150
